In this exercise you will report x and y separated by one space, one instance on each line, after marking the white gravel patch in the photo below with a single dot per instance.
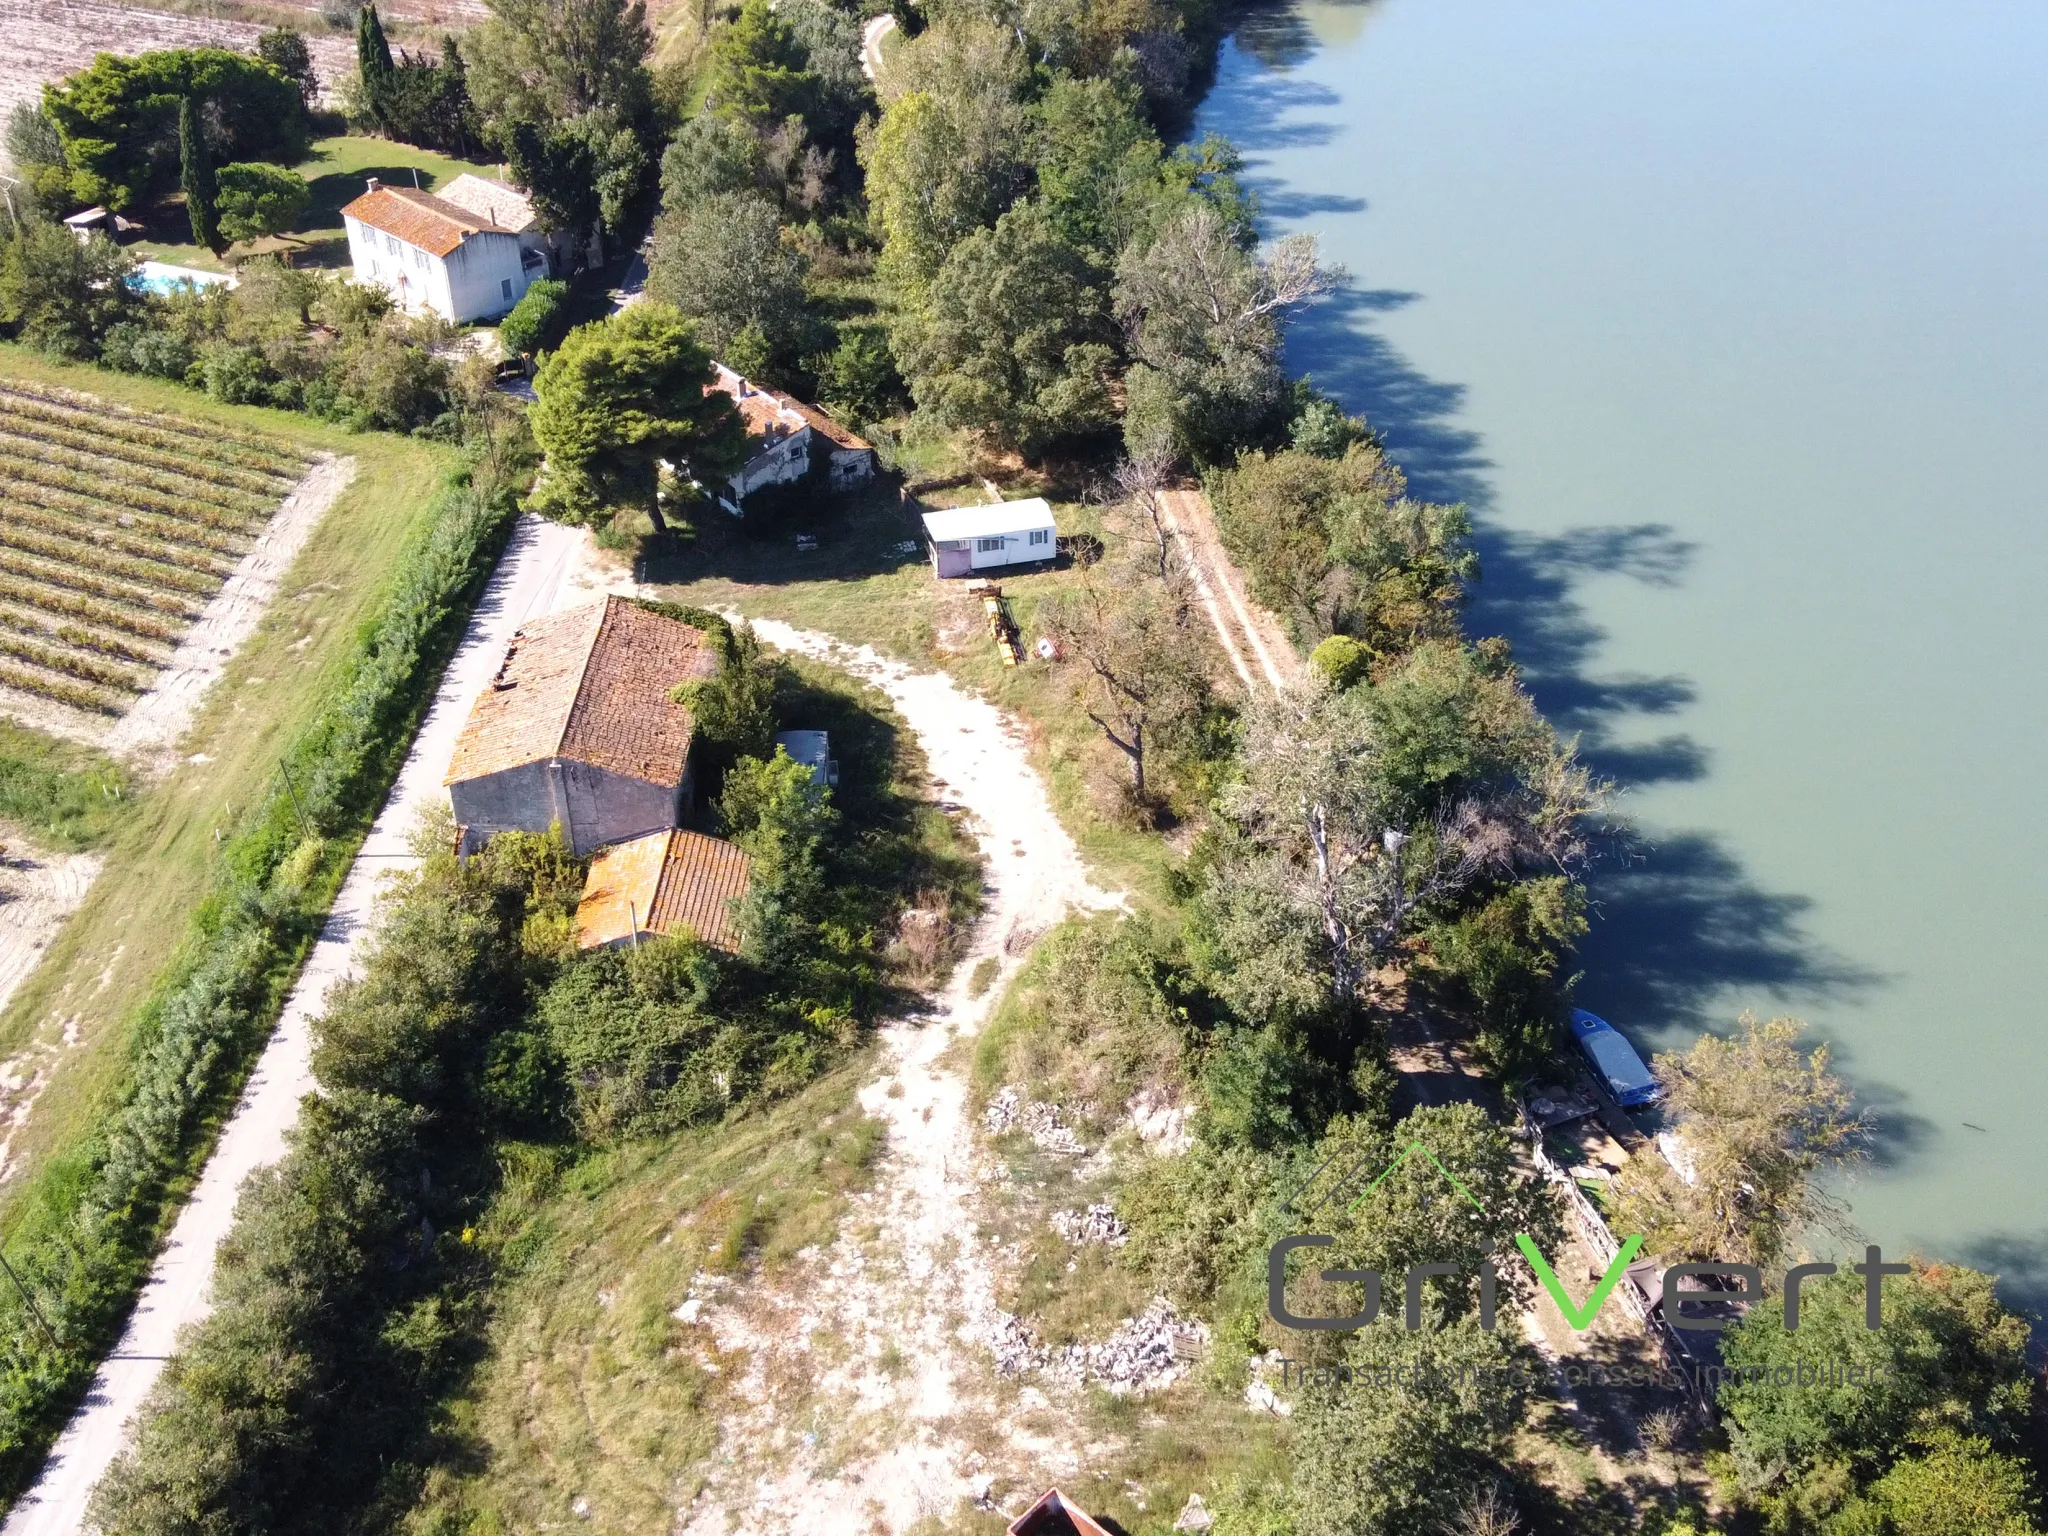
929 1288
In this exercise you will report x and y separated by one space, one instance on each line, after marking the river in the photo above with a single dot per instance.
1730 322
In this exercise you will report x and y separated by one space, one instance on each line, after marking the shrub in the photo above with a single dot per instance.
534 323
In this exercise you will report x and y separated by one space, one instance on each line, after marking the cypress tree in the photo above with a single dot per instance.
373 63
195 169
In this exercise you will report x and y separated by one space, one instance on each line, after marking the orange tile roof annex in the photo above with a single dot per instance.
664 882
434 224
590 684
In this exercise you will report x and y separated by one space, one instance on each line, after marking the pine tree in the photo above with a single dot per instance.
373 62
196 176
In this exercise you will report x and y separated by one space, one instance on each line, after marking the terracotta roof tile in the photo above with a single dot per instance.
419 218
591 685
771 414
666 882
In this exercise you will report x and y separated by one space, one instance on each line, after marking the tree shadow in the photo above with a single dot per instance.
2020 1261
1680 927
1679 924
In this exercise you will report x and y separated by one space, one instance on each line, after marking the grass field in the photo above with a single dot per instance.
336 170
117 525
863 587
160 850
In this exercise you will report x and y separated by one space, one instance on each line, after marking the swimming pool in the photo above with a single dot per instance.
161 277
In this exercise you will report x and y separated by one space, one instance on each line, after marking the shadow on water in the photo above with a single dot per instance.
1683 935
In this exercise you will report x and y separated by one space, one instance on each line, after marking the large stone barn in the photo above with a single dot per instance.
578 728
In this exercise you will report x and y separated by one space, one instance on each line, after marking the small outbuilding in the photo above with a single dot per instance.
578 728
981 538
1056 1515
665 883
814 750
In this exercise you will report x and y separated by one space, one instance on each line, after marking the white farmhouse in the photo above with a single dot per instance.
786 437
509 208
969 539
431 254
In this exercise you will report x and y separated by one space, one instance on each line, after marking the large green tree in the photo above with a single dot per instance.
1759 1120
195 175
1335 546
551 61
721 260
618 398
1012 337
1948 1361
258 200
60 293
284 49
119 119
951 151
1203 315
759 71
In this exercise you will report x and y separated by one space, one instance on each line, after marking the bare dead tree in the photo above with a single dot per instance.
1142 675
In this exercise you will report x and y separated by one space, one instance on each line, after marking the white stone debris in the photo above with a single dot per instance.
1046 1123
1161 1123
1148 1353
1097 1224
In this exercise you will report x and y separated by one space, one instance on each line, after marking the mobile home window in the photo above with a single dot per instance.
505 286
988 546
1041 536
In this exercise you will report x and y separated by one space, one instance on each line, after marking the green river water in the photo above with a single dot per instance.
1730 322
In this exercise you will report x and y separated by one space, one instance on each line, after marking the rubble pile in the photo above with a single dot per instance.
1097 1224
1147 1353
1044 1122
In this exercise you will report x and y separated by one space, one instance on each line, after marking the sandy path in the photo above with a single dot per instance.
926 1288
37 892
153 724
871 36
1189 514
544 569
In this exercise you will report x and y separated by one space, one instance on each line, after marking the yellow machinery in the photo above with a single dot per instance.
1000 627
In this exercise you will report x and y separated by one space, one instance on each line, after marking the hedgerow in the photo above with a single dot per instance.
92 1220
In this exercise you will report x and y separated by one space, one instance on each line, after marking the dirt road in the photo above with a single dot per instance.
544 569
909 1273
871 37
1243 626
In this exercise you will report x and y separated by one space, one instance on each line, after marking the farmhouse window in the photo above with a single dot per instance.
988 546
391 244
1041 536
419 259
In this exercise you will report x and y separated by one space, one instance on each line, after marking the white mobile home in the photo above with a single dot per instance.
970 539
429 254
